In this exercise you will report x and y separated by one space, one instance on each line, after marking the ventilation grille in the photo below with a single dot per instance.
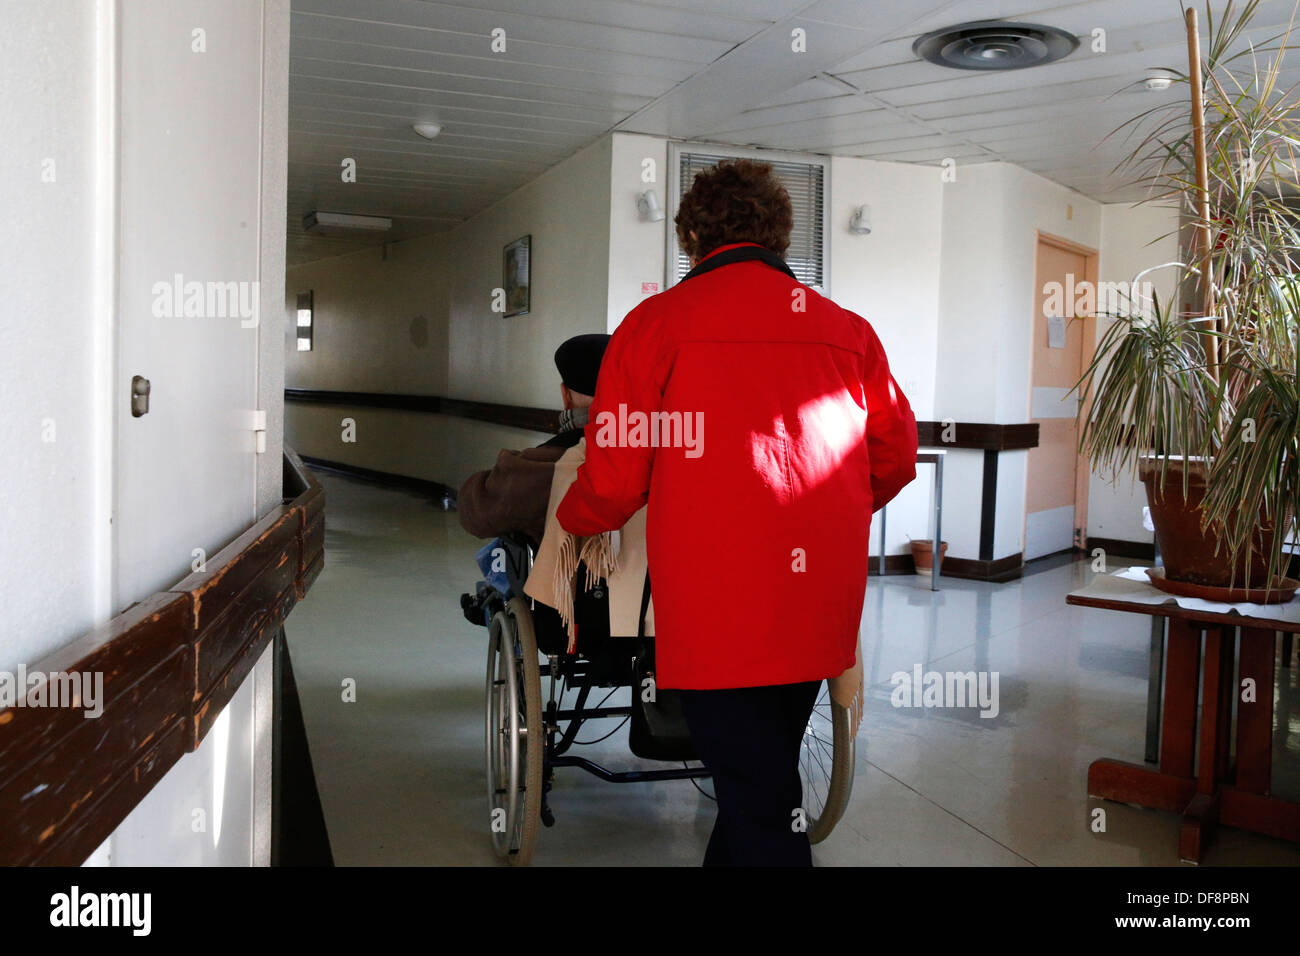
995 45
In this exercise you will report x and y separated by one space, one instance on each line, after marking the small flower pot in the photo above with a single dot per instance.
921 555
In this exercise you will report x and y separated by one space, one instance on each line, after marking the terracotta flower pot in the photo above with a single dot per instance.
921 555
1187 552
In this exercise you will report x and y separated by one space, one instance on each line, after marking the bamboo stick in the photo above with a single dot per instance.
1204 233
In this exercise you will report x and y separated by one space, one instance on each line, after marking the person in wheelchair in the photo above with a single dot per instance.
599 591
757 541
584 603
512 495
509 501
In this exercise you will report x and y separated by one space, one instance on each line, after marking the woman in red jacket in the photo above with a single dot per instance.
761 423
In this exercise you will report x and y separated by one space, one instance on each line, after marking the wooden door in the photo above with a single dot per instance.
1064 314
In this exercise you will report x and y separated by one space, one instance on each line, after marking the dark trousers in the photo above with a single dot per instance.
749 738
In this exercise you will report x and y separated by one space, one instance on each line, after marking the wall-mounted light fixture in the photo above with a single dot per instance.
648 205
1157 79
427 130
860 224
304 324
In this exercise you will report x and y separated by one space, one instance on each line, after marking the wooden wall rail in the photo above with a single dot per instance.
170 664
978 435
985 437
516 416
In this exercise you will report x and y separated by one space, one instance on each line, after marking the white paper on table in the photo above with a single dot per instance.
1132 584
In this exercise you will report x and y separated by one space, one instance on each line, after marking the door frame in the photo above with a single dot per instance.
1082 472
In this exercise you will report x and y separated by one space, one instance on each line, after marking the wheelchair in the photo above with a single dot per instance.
529 735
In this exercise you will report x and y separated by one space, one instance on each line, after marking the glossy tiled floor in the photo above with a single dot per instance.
400 770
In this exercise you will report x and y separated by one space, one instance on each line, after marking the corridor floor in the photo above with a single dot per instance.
400 770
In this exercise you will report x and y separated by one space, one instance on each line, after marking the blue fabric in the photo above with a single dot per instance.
495 578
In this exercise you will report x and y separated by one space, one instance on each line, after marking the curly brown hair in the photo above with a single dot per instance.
738 200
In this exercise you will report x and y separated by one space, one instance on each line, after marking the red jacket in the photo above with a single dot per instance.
759 516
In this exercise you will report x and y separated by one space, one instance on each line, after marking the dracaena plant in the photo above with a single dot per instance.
1221 382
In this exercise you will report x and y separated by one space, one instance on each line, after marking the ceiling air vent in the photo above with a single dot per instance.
995 45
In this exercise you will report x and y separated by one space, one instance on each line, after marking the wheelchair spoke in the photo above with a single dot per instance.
817 756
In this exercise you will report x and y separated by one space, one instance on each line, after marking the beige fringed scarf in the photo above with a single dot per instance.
620 558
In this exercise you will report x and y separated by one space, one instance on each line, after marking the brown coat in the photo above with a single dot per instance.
512 496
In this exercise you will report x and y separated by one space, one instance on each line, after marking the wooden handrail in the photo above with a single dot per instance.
515 416
986 437
981 435
170 663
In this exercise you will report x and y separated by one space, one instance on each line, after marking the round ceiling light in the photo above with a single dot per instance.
995 45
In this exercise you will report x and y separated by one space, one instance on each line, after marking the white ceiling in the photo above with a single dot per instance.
362 71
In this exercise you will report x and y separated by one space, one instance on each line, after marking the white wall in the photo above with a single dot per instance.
637 248
992 213
442 448
973 313
1134 238
379 325
891 278
54 558
566 210
423 323
218 781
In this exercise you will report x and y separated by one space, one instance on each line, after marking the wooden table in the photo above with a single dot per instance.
1195 776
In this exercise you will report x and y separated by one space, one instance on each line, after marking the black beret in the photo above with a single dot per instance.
578 361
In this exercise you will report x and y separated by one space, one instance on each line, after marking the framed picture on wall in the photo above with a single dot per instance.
517 276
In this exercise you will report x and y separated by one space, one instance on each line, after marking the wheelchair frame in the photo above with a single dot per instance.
521 763
556 754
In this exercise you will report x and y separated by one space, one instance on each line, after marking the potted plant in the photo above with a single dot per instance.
923 556
1198 396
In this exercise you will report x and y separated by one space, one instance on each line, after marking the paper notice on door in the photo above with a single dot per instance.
1056 332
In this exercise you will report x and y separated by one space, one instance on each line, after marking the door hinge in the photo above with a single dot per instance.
259 431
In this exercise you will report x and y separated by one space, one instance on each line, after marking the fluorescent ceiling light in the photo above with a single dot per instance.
327 223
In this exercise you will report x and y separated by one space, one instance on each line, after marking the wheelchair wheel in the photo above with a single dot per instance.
826 765
515 734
